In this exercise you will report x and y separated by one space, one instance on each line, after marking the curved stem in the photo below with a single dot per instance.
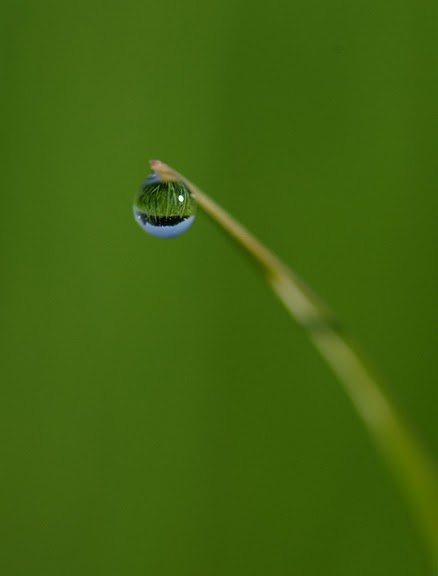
403 453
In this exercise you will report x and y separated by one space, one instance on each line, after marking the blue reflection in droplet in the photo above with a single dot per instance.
163 231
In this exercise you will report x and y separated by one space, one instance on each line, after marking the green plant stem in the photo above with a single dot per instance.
402 451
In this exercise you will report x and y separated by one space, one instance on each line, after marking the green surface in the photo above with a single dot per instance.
159 413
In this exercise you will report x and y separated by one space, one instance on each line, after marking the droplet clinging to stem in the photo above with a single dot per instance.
164 208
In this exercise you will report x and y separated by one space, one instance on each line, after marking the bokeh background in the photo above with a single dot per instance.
160 413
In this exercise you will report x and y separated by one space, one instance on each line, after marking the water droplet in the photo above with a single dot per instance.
164 209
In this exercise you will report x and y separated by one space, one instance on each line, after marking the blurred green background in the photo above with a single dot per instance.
160 413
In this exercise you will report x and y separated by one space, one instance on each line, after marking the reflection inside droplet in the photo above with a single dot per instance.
164 209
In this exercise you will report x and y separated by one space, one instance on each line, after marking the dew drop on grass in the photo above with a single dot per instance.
164 209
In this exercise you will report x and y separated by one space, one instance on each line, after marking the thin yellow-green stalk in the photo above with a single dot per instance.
401 449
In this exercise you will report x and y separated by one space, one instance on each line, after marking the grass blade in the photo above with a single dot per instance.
403 453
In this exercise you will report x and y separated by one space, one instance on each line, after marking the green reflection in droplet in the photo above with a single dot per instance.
164 209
